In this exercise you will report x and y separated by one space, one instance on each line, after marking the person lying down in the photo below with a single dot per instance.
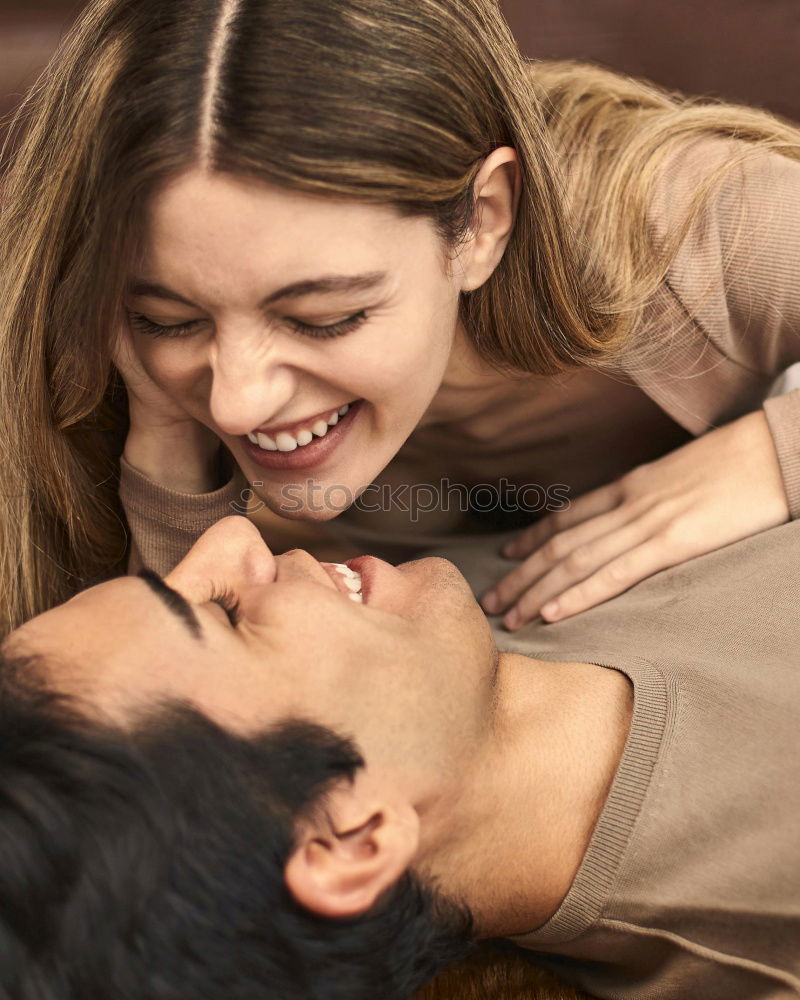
276 777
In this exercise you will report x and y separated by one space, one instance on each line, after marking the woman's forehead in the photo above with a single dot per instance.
252 199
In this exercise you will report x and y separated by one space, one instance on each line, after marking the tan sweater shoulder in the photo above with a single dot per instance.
726 323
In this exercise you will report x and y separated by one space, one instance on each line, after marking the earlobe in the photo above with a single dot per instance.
347 858
497 189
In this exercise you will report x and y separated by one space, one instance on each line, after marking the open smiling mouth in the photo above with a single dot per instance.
307 445
348 581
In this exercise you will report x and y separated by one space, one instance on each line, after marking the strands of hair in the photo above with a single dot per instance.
216 58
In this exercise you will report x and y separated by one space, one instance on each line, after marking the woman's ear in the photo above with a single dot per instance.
353 850
497 188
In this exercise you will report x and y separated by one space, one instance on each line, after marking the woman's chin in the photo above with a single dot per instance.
308 499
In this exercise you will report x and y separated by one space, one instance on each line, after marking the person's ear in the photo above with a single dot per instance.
497 189
353 850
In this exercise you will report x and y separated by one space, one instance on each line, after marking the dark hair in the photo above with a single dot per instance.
150 864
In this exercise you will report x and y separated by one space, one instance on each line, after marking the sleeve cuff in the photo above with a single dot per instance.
783 417
165 524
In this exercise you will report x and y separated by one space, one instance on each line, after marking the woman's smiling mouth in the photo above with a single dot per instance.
307 444
292 436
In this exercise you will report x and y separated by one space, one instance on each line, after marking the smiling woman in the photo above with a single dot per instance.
284 246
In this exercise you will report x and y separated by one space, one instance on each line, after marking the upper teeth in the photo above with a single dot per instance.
352 581
289 442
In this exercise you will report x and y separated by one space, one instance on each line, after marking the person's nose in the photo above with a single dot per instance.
230 555
252 381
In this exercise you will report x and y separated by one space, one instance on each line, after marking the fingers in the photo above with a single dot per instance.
611 580
564 546
599 501
610 561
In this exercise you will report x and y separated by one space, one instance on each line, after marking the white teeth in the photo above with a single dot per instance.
265 441
352 581
344 570
289 442
285 442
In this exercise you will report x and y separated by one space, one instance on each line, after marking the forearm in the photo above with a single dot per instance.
170 500
184 459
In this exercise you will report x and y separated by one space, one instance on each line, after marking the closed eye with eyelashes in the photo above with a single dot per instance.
141 324
229 603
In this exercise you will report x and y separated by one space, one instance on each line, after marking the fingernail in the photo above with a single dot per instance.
508 550
511 620
490 603
549 610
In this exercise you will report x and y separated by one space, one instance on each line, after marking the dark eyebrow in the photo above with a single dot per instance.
326 285
151 290
176 602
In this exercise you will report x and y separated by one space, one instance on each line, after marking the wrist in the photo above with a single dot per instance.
757 443
183 457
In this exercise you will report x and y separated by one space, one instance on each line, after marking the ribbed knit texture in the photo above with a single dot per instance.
164 524
590 890
783 415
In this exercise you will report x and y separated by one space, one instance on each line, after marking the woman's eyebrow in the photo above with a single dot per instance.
176 602
328 284
325 285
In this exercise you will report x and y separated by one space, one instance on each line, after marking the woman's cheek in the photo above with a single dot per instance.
409 356
175 369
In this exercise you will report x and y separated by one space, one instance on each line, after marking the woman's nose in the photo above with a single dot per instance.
230 555
249 387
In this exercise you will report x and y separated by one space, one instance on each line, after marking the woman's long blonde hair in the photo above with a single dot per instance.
389 101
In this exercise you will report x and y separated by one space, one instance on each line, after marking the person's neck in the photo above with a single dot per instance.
517 827
468 383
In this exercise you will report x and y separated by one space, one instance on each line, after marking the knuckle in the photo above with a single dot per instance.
680 512
619 573
554 549
641 506
670 537
579 560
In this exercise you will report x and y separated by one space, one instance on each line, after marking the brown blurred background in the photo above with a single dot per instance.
741 50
